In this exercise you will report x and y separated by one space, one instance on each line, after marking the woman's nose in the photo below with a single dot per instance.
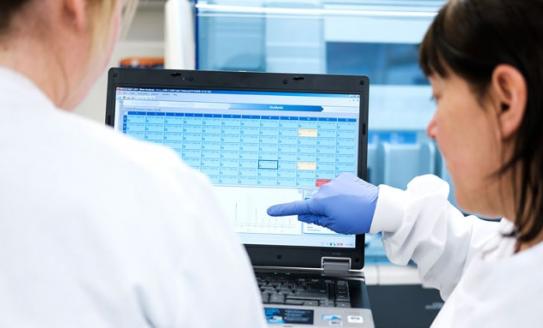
431 130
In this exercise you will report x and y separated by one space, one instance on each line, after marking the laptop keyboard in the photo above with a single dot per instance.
294 290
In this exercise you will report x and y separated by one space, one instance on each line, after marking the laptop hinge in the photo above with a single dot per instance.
336 265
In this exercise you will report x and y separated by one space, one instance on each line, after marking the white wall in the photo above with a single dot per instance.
145 38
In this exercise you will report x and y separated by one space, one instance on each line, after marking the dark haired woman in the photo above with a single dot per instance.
484 59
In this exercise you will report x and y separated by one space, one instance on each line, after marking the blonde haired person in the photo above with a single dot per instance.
96 229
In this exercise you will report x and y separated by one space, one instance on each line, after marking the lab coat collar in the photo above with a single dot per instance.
17 89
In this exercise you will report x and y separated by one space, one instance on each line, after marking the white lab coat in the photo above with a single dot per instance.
99 230
483 282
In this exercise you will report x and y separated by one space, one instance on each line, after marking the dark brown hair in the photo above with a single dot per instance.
7 9
471 38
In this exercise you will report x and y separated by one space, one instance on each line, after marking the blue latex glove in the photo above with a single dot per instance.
345 205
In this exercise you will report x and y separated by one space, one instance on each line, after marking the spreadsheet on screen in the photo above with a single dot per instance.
257 148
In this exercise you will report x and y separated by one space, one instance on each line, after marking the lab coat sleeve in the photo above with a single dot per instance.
420 224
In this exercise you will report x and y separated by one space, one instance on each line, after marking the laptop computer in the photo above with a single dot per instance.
265 139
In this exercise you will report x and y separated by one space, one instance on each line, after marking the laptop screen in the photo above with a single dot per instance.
258 149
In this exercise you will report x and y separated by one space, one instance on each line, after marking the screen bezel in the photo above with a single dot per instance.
261 255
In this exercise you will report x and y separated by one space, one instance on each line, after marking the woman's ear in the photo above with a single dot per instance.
510 93
75 14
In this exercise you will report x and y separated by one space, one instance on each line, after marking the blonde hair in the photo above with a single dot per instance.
101 11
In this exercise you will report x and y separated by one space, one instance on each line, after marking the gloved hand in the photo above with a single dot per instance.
345 205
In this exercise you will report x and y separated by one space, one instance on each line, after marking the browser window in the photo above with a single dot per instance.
258 149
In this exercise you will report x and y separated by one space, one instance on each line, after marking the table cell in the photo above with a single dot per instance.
193 121
325 159
192 129
326 151
156 137
192 146
265 181
308 183
229 122
291 132
231 139
268 155
287 182
284 125
351 158
307 153
268 164
173 143
267 147
268 132
327 142
346 141
248 155
327 126
211 138
230 147
212 122
288 141
192 138
248 164
306 165
232 164
229 180
308 125
154 127
212 130
247 146
306 175
286 174
307 142
307 133
286 165
246 124
247 173
326 166
168 120
133 119
346 167
231 155
346 134
173 128
154 120
248 181
230 171
249 139
306 158
352 127
267 173
135 126
327 133
211 156
230 131
284 156
250 132
329 175
269 140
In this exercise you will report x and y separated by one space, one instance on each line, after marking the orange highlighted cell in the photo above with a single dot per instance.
307 166
307 133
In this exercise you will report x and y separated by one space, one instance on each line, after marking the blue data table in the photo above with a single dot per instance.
255 150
